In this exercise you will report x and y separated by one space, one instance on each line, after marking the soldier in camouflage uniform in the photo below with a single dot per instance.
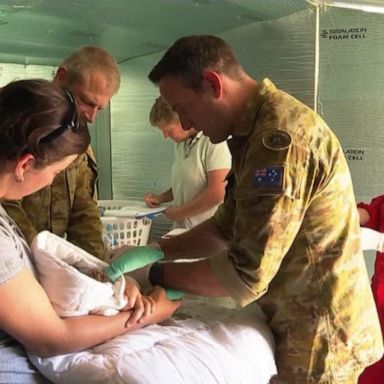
68 207
287 234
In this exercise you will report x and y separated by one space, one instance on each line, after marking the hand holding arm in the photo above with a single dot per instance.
161 308
35 324
141 306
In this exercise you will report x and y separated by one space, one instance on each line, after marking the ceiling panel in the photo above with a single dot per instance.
45 31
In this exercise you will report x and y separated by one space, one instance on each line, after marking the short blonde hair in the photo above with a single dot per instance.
161 112
89 58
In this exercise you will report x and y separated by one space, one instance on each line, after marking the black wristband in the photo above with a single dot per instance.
156 272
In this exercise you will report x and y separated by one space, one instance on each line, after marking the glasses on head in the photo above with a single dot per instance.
72 124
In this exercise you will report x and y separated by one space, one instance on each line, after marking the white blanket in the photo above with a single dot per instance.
217 345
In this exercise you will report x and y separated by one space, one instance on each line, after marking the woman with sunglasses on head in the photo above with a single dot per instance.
40 136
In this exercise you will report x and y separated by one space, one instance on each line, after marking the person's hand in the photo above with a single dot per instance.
132 293
164 307
174 213
152 200
140 305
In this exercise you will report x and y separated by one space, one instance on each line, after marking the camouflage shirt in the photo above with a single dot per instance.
291 216
68 206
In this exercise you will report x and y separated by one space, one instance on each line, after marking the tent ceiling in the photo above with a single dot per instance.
45 31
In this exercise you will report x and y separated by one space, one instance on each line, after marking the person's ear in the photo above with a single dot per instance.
213 82
60 77
22 164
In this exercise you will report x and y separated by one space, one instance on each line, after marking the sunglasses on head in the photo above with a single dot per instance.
72 124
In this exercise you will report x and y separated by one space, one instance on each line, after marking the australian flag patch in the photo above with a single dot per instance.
269 177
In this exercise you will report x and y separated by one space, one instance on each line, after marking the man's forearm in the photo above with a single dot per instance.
196 278
204 240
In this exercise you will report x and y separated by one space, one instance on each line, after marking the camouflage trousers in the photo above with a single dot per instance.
294 378
302 360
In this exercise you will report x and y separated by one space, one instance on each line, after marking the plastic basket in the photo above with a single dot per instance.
122 230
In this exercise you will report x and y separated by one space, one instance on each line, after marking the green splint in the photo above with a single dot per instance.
131 260
173 294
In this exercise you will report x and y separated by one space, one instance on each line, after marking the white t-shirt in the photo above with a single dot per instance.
194 158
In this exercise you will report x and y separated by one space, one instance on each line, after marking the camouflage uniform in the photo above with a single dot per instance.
68 207
291 216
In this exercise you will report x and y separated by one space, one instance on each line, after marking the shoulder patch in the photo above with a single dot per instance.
269 177
277 140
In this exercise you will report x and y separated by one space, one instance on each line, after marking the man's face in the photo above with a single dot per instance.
201 110
92 95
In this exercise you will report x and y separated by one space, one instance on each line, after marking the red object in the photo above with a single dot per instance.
374 374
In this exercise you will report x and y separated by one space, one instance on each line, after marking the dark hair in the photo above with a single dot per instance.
39 118
189 56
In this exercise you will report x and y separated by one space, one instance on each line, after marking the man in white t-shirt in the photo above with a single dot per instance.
198 171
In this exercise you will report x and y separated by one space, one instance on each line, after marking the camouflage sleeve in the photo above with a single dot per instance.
15 209
270 200
224 214
84 226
